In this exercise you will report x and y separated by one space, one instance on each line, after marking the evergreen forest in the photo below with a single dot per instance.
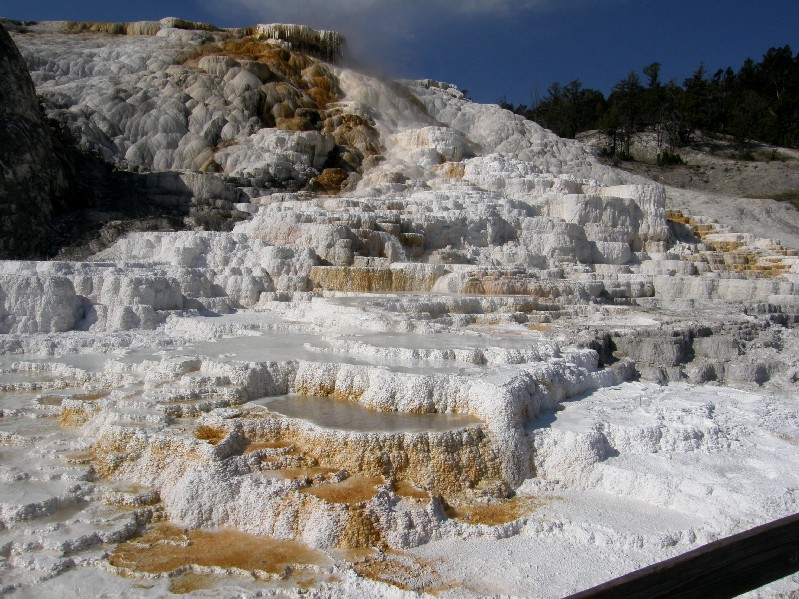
757 103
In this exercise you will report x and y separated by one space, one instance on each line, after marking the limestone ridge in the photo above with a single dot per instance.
109 28
390 251
328 45
31 174
354 184
146 186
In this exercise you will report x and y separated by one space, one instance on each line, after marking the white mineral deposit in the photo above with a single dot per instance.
438 349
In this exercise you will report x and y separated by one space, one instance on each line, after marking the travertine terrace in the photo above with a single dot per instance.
524 372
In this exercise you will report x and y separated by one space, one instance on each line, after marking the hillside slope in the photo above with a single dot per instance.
753 190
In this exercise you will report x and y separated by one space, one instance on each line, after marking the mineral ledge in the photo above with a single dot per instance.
533 375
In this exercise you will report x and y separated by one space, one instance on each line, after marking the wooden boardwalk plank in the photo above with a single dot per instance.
724 568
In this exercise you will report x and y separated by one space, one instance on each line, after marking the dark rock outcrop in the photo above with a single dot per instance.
32 177
57 200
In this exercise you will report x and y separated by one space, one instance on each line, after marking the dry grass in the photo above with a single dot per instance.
792 197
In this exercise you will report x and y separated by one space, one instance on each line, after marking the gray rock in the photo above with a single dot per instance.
31 174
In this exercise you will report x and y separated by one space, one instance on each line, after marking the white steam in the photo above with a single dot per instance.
382 33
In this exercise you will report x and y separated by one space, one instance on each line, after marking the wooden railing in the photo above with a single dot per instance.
721 569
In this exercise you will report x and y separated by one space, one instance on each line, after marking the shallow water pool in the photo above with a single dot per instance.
345 415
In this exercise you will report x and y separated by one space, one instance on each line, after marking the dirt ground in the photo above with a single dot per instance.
720 168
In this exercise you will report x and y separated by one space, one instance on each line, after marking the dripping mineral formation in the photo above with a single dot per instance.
312 331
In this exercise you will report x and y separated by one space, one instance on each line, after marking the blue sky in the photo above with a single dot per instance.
494 48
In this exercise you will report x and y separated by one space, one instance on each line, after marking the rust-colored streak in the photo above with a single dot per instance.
165 548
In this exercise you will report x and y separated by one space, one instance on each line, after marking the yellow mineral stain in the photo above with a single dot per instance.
307 580
451 170
355 489
189 582
732 255
354 554
165 548
371 279
315 79
73 417
330 180
493 512
446 467
489 320
403 571
210 434
305 473
257 445
91 396
73 27
360 530
405 488
352 130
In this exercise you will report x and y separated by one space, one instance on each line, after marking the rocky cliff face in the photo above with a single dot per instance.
32 176
184 114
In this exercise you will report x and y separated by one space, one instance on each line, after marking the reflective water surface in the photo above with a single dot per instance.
344 415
